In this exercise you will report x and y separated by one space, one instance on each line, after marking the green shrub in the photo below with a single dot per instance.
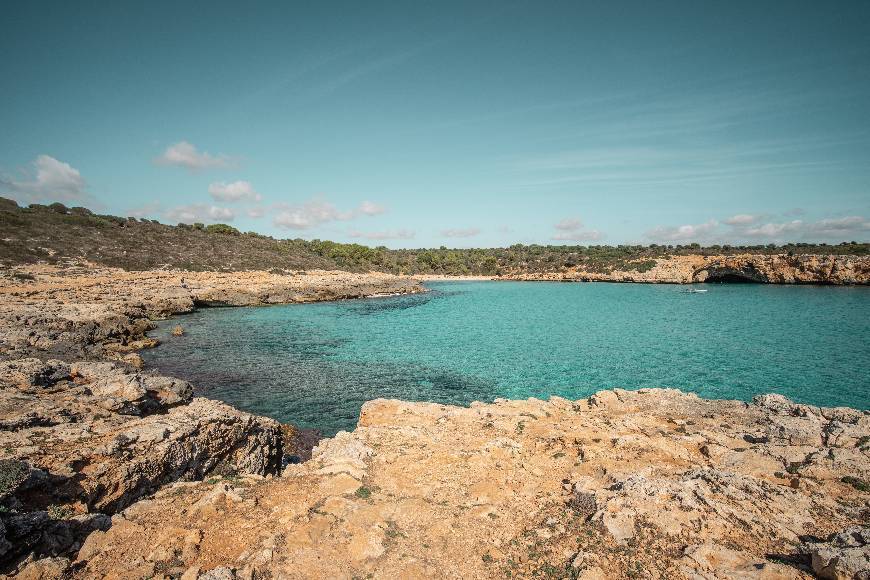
856 482
222 229
12 473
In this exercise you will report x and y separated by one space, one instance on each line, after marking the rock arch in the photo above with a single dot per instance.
743 274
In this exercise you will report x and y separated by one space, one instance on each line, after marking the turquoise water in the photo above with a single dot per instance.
315 364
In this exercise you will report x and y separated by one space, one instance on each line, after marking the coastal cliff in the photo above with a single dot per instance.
109 470
758 268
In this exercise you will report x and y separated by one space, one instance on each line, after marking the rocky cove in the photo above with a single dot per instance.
109 470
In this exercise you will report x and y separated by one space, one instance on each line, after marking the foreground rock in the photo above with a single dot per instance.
88 439
760 268
82 438
653 483
84 313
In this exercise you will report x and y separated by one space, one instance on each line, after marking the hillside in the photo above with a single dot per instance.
57 234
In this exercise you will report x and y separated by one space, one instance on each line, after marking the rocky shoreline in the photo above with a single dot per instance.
757 268
108 470
86 433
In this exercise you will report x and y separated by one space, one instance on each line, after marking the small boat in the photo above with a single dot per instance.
693 291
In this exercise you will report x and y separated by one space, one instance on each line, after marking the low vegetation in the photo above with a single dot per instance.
56 233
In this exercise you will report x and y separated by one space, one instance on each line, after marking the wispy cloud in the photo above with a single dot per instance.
256 212
572 229
399 234
235 191
460 232
318 211
184 154
47 180
741 219
688 232
746 230
371 208
199 212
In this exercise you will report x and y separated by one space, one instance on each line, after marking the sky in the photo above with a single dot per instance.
421 124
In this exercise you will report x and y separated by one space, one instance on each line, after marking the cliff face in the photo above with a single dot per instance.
766 269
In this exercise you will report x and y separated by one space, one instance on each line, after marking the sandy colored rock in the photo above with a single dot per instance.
615 486
768 269
79 313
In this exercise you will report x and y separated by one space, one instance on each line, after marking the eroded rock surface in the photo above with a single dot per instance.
760 268
91 438
82 437
653 483
85 313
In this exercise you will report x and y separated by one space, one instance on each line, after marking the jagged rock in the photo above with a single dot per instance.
32 372
106 461
843 556
421 489
765 269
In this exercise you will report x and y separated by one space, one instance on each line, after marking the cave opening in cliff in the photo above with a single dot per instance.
730 278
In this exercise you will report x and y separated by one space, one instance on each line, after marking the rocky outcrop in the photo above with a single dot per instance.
89 439
842 556
83 313
626 484
83 437
758 268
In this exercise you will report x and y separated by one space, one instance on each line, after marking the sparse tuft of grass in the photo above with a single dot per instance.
59 512
856 482
12 473
363 492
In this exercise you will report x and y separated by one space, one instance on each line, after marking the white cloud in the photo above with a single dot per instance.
683 233
256 212
186 155
847 226
579 235
741 219
235 191
318 211
400 234
309 214
569 224
838 229
771 230
371 208
50 180
571 229
743 229
199 212
460 232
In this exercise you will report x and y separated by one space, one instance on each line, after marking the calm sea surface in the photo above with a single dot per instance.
315 364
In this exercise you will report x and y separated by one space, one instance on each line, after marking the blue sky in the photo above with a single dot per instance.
413 124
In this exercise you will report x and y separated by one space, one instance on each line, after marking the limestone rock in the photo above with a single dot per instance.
843 556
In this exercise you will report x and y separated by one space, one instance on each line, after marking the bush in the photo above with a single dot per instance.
12 473
222 229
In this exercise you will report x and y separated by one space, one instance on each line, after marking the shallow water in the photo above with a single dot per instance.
315 364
